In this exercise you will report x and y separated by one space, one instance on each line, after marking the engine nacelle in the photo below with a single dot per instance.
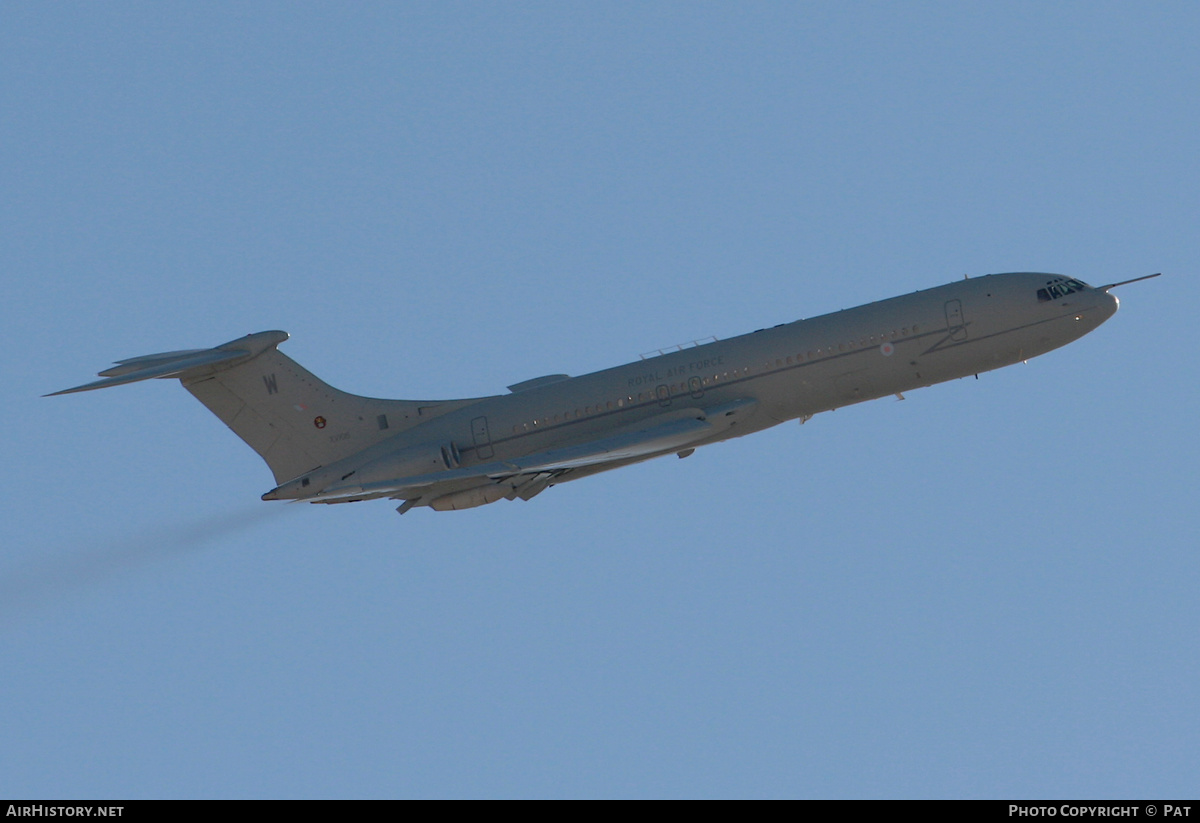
425 458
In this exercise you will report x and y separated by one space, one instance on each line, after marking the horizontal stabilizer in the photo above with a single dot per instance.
132 364
191 362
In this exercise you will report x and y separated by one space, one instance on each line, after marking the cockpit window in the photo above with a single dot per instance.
1060 287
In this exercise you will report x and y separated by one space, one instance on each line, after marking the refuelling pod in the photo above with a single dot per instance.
468 499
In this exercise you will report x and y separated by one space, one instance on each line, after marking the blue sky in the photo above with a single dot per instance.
986 590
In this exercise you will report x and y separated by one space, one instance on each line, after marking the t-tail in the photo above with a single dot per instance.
294 420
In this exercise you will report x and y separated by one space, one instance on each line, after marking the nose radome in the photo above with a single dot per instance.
1107 304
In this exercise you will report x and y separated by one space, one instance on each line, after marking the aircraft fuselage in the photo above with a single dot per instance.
328 446
794 370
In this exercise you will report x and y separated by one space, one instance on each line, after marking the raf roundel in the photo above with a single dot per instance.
319 422
886 349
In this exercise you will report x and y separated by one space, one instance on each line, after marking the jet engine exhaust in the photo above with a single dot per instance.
41 583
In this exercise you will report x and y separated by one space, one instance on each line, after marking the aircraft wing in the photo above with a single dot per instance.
655 436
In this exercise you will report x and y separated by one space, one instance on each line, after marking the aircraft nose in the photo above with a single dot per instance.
1109 304
1105 306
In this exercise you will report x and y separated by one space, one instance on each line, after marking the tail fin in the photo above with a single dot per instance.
295 421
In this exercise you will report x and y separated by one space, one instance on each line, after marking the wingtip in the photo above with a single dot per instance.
67 391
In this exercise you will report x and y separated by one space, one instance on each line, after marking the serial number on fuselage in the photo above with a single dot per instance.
676 371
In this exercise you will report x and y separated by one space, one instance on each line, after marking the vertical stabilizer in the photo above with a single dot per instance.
294 420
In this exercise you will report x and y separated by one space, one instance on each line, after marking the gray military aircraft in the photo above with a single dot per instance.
326 446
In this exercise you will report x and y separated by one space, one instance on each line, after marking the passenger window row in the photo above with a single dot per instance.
701 382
